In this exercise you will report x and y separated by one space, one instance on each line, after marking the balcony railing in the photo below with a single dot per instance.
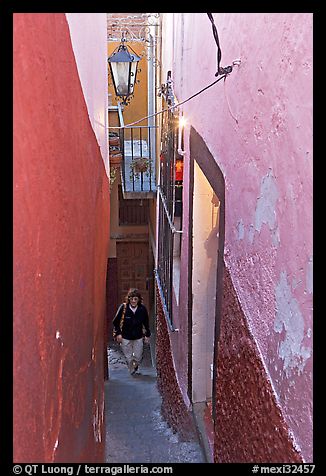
138 161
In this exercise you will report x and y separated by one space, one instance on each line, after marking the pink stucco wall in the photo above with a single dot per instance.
88 33
258 126
61 228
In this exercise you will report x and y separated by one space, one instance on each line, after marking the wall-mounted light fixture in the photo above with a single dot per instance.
181 126
123 67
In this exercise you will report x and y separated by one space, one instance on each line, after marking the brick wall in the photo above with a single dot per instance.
133 21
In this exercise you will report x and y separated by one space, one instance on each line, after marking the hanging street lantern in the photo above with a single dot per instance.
123 68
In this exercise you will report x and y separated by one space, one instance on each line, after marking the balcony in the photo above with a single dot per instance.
138 162
135 147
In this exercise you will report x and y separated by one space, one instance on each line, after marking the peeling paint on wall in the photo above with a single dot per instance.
251 233
290 320
266 162
265 435
58 337
266 204
55 447
98 421
276 237
240 230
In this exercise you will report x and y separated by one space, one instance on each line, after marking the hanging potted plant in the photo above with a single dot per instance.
140 165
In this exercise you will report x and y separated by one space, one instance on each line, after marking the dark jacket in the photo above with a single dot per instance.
133 322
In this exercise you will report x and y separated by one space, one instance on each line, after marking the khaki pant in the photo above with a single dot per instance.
132 349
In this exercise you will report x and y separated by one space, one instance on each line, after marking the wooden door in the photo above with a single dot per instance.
133 268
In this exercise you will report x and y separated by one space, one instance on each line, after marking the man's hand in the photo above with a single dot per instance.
147 340
119 338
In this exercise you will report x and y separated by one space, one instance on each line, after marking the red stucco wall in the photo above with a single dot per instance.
249 426
61 226
112 293
175 410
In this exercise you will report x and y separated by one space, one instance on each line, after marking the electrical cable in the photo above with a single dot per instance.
170 107
228 103
220 70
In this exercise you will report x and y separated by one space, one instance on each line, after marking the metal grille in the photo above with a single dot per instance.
167 206
137 146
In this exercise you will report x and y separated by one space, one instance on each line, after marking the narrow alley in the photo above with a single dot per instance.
162 203
136 430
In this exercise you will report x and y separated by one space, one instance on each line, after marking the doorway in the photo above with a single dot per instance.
206 214
133 269
206 242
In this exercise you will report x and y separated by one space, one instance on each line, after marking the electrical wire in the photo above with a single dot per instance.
170 107
220 70
228 103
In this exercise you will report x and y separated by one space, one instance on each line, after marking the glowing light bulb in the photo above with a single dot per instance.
182 122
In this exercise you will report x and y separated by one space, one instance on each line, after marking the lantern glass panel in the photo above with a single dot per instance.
120 72
133 75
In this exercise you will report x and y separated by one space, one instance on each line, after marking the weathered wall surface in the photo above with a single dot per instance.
176 408
61 225
249 422
258 126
